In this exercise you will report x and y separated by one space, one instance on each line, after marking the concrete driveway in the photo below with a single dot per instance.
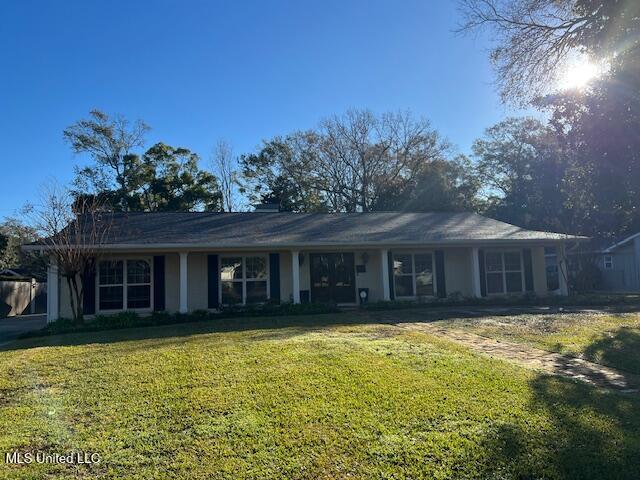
11 327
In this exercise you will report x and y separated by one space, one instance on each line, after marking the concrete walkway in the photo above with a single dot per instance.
537 359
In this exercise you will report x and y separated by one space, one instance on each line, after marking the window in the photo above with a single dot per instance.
256 281
231 280
115 289
504 272
413 275
138 284
243 280
111 291
551 267
608 262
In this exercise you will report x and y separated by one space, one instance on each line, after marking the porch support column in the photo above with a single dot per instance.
384 263
53 307
475 274
563 272
295 275
184 308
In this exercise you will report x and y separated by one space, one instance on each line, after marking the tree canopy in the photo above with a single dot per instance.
596 146
536 40
359 162
163 178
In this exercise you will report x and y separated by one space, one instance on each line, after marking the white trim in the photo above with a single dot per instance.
124 285
183 306
605 262
273 247
620 243
295 276
244 278
476 289
386 289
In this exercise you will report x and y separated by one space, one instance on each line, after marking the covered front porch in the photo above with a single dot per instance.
189 280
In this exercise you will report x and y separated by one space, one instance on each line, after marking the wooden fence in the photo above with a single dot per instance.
22 297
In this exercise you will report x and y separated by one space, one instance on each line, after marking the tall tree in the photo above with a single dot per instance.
163 178
110 142
535 40
270 176
169 179
596 125
348 162
522 169
225 166
363 153
440 185
13 234
599 130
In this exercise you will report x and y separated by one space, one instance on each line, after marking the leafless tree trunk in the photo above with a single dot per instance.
72 232
224 166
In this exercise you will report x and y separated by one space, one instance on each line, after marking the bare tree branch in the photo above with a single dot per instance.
72 232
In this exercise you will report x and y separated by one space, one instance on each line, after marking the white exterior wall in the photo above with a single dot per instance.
172 282
64 299
457 263
372 278
197 276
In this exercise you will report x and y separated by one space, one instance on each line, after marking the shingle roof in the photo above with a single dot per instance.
301 229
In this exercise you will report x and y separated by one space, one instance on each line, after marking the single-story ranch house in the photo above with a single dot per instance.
200 260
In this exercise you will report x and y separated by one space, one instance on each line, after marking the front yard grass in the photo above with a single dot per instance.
608 339
350 401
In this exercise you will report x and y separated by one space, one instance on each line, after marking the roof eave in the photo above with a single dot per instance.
308 245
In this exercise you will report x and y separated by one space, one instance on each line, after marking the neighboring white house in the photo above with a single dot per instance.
196 261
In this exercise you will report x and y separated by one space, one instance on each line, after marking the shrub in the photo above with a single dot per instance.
119 320
586 279
130 319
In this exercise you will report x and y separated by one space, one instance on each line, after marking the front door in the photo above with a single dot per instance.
333 277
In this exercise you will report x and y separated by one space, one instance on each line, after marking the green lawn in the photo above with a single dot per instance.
351 401
612 340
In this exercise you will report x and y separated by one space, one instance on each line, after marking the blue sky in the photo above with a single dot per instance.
198 71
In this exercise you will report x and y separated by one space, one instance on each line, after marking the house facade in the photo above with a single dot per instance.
620 265
181 262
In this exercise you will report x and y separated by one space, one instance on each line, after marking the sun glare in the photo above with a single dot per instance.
578 74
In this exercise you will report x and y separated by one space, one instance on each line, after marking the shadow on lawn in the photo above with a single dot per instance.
620 348
588 433
592 434
303 322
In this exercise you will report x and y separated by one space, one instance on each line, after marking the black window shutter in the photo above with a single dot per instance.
392 293
158 283
212 284
274 277
528 269
483 279
440 281
88 279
